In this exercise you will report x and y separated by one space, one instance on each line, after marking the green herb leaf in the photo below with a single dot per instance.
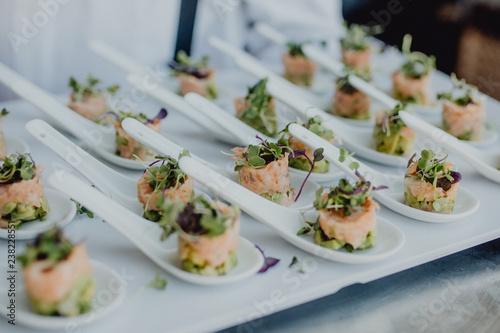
158 282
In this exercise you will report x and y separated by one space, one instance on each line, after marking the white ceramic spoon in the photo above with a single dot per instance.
355 138
110 182
104 277
466 203
62 211
247 135
146 234
287 222
159 143
100 139
485 163
115 185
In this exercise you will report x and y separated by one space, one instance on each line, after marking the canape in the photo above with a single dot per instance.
356 50
263 169
391 135
208 234
430 184
346 216
57 275
411 84
463 111
303 162
87 99
256 109
349 102
163 178
3 144
298 68
22 196
194 75
126 146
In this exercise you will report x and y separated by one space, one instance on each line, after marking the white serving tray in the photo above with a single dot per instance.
184 307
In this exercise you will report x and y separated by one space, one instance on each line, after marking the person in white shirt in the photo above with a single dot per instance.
46 41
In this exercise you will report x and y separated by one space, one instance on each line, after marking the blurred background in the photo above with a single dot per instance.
464 35
51 35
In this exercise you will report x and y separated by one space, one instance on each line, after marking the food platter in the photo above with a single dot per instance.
277 289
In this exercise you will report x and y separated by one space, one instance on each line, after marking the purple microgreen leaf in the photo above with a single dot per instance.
457 176
381 187
264 143
111 113
268 261
162 114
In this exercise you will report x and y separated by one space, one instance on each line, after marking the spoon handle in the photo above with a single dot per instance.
126 222
271 33
115 57
158 142
260 208
99 174
244 133
332 154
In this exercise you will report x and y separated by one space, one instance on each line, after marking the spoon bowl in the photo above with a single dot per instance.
393 198
62 211
146 234
104 277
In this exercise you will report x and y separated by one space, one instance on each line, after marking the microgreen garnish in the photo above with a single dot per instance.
16 168
161 115
82 210
51 245
315 125
4 113
297 265
343 81
318 156
345 196
166 175
184 64
462 93
197 218
417 64
309 226
431 168
392 122
356 37
119 116
258 156
158 282
344 154
295 49
260 114
89 88
268 261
